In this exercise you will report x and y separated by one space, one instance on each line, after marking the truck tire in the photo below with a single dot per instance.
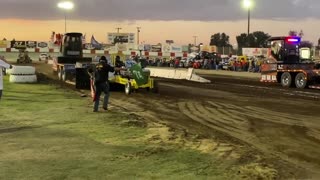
301 81
128 88
22 70
286 80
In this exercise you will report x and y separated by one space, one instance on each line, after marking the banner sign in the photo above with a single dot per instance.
166 48
156 48
31 44
254 51
114 38
171 48
18 44
209 49
141 47
176 48
3 44
185 48
42 45
122 47
147 47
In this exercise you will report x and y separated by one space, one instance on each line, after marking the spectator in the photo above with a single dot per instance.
176 63
3 64
100 76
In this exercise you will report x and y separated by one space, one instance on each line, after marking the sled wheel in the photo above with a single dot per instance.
64 75
155 88
128 88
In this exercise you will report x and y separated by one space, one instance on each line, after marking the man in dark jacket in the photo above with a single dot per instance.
100 75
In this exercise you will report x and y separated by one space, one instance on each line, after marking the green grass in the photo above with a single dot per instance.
50 133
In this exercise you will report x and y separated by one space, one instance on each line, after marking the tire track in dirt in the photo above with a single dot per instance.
221 150
136 105
139 105
268 115
234 117
170 110
257 137
235 121
215 116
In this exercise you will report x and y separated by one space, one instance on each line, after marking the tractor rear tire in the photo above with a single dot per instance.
128 88
286 80
301 81
155 88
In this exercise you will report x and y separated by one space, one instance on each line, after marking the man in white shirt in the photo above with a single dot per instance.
3 64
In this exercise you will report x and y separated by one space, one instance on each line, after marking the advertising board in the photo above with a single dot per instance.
114 38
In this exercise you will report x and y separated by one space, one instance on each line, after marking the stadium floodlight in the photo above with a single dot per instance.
65 5
248 5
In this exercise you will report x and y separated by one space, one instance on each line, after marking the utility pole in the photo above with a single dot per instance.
65 22
138 35
248 21
195 40
118 29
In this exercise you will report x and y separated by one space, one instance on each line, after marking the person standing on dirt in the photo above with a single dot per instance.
100 76
3 64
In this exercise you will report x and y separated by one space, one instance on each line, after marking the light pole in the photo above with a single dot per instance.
65 5
138 35
118 29
248 5
195 40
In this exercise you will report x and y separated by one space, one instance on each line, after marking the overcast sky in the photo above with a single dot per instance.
179 20
202 10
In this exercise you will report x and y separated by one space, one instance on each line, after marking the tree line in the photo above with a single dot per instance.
257 39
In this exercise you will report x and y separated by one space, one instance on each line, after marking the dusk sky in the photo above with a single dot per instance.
160 20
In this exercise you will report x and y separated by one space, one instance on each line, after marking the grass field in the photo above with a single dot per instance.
47 132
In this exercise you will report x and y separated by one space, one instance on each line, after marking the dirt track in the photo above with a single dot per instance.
251 122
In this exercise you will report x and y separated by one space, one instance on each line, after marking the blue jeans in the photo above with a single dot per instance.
0 93
101 87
